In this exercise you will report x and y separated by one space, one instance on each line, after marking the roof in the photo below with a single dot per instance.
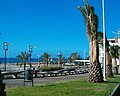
82 60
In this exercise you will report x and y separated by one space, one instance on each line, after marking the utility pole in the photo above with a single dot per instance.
30 51
5 47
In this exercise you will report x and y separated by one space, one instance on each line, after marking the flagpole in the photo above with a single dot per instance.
104 36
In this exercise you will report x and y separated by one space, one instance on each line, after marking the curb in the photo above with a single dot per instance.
116 91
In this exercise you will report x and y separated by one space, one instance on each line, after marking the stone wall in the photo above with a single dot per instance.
2 86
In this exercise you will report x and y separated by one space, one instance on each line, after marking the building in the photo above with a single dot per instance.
112 42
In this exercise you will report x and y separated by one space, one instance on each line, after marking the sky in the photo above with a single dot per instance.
51 25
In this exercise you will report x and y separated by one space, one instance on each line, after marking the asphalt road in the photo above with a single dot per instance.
43 80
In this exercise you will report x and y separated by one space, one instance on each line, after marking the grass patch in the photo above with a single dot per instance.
70 88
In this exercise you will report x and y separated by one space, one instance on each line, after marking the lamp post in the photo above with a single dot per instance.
104 37
30 51
5 47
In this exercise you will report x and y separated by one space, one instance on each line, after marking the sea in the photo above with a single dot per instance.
15 60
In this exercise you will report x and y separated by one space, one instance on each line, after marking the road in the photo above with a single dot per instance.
43 80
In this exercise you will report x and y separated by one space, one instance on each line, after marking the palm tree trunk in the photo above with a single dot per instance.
95 71
95 51
47 63
44 63
91 51
114 66
24 65
108 64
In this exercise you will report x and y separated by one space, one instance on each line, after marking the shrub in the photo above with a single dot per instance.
49 68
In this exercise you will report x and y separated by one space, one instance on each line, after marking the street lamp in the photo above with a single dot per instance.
30 51
104 37
5 47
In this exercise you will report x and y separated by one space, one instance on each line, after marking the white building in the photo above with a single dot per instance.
112 42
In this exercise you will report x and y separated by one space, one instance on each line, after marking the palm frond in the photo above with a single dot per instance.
23 56
83 11
114 51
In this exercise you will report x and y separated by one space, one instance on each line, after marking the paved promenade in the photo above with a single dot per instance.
44 80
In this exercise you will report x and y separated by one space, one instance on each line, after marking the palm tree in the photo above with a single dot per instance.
24 57
46 57
91 20
108 58
60 58
74 56
114 54
69 60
